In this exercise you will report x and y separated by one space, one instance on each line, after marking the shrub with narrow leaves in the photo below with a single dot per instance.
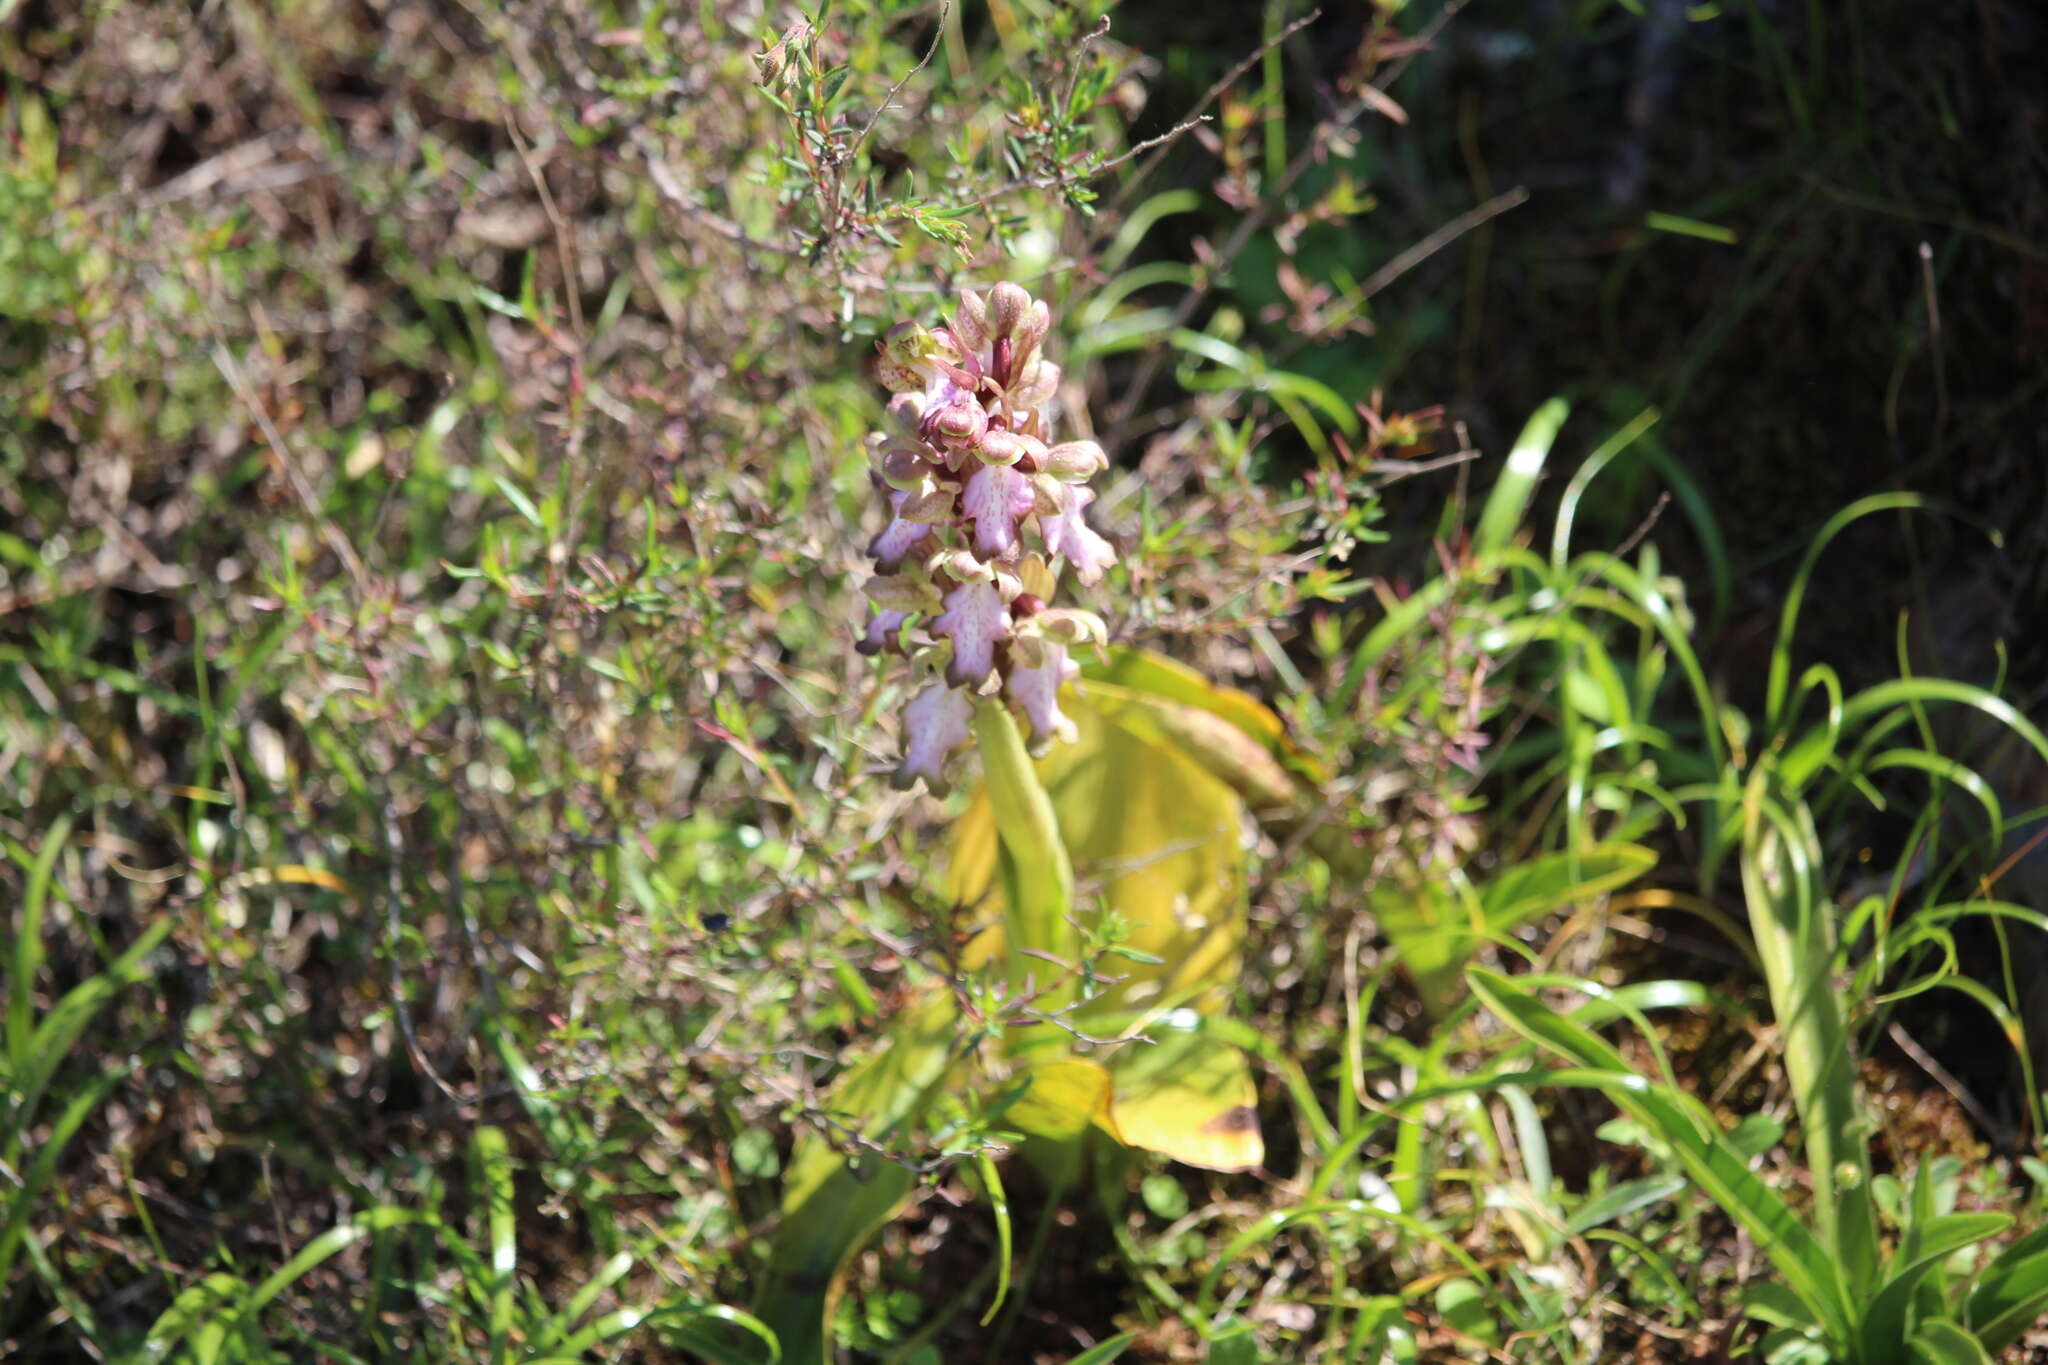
984 512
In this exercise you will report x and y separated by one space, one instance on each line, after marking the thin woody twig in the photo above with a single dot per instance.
1441 238
1134 394
1196 115
938 32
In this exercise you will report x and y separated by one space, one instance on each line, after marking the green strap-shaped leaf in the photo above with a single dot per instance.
60 1028
1714 1165
1436 934
1941 1342
491 1156
2011 1294
1512 492
1884 1322
830 1207
1105 1351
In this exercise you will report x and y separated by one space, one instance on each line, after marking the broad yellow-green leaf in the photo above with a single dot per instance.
831 1206
1235 737
1058 1099
1189 1097
1438 926
1223 750
1155 675
1154 838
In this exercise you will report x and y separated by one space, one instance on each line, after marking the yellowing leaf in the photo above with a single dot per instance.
1059 1099
1155 675
1224 751
1154 839
1189 1097
1235 737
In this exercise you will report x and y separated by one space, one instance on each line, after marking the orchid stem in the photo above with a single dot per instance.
1041 876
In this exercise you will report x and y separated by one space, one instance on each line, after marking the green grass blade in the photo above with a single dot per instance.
608 1274
1102 1352
195 1305
28 948
1908 691
21 1201
2011 1293
1884 1320
714 1334
1780 676
491 1159
1509 501
999 1204
1582 479
60 1028
1714 1165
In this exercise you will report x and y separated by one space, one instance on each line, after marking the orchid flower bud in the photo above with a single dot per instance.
960 566
1036 384
1000 447
1007 305
1075 461
960 422
904 469
1031 330
970 321
1069 626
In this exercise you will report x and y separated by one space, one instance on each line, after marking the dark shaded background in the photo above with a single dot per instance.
1796 369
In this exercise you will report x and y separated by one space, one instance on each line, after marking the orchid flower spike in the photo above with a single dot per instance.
985 509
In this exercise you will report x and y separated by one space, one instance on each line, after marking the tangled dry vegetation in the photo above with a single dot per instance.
433 513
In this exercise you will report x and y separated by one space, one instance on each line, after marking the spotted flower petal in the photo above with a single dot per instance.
934 725
898 538
884 633
1036 691
976 620
997 497
1066 533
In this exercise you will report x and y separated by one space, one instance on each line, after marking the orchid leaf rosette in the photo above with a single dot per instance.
986 511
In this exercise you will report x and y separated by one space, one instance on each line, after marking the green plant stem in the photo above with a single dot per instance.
1035 860
1060 1163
